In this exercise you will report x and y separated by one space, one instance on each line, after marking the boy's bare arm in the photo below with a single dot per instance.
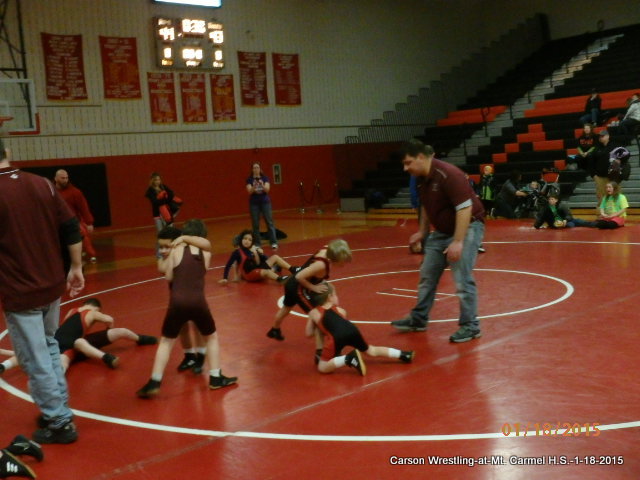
199 242
100 317
310 328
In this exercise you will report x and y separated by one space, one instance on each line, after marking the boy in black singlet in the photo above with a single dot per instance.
329 321
298 288
185 267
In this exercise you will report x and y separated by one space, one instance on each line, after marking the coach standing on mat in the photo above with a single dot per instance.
449 205
34 220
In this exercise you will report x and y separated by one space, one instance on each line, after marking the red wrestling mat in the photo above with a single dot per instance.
558 352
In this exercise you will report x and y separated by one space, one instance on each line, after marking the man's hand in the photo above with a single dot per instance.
454 251
75 281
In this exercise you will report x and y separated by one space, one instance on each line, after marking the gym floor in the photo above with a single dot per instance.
553 379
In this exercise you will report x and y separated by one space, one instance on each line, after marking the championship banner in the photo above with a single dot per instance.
64 67
194 98
223 98
120 72
162 97
253 78
286 74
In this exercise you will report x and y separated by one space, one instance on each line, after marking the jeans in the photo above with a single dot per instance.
591 117
38 353
264 209
434 264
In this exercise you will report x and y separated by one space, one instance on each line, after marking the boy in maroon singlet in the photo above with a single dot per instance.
185 268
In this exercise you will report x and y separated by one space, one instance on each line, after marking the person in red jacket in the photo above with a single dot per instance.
79 206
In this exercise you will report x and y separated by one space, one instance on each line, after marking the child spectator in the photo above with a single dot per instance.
328 320
487 188
554 214
299 286
252 265
185 268
613 208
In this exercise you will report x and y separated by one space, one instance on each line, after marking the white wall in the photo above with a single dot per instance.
358 59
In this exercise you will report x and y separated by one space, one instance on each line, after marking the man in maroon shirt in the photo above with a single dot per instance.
35 221
451 207
79 206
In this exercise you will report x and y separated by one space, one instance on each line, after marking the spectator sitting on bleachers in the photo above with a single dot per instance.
631 119
592 108
586 145
554 214
509 197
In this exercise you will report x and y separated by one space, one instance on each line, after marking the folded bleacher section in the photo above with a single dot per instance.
545 134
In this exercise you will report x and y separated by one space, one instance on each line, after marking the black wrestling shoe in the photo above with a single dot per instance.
10 466
353 359
147 340
65 434
282 279
295 270
221 381
198 363
275 333
187 362
151 389
111 360
21 445
406 356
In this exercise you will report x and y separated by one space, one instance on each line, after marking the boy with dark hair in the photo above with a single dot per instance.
329 321
185 268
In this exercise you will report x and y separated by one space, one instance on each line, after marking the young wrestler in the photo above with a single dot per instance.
312 272
329 321
73 335
193 344
252 264
185 268
76 341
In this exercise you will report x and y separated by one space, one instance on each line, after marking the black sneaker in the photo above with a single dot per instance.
275 333
221 381
187 362
147 340
21 445
464 334
65 434
295 270
481 249
353 359
10 466
283 278
111 360
407 356
198 363
151 389
409 325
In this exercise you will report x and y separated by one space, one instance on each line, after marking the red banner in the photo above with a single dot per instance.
286 74
64 67
162 97
253 78
223 98
120 72
194 98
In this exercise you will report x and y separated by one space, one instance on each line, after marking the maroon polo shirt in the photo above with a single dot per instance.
31 213
444 189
